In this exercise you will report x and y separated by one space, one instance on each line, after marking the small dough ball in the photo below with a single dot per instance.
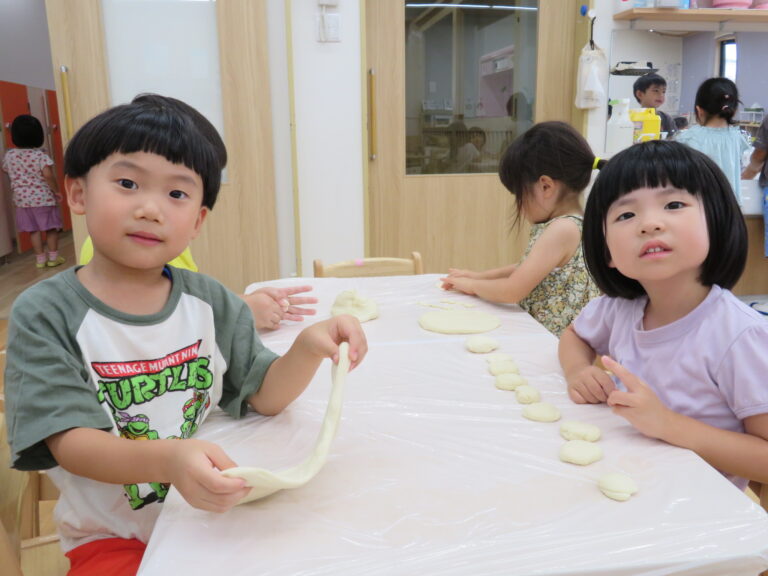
509 381
580 452
350 302
480 344
617 486
526 394
503 367
573 430
541 412
498 356
458 322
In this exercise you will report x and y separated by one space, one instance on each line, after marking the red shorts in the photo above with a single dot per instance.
113 556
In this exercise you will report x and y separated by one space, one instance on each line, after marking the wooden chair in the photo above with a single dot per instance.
761 491
21 544
371 267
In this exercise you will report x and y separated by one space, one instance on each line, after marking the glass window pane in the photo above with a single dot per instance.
728 59
470 82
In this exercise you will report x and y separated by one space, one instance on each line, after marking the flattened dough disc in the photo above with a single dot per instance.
458 321
263 482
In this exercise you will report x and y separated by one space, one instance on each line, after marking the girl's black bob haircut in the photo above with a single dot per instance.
155 124
27 132
664 163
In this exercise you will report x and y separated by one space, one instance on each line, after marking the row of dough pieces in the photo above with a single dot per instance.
580 437
580 447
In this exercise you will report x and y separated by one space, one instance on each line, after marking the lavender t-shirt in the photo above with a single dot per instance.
710 365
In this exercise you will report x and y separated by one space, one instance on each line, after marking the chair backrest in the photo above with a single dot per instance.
13 484
371 267
20 540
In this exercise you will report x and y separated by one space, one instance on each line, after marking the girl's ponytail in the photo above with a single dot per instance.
598 163
718 97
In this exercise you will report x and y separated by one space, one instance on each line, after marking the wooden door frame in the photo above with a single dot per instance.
439 215
238 244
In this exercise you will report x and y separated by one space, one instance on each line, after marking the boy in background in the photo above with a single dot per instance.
650 91
127 348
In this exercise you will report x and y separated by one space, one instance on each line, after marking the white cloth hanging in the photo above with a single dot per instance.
592 78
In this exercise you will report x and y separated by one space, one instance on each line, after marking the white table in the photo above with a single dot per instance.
436 472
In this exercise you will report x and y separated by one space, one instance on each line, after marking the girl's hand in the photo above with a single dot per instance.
459 273
460 284
290 303
194 471
323 338
639 404
271 305
590 385
267 312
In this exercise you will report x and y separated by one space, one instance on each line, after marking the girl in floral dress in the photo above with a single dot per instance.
35 194
546 170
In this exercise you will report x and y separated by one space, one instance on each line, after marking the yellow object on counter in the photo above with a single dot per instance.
647 124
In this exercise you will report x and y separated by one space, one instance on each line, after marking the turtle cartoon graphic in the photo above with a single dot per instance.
193 410
137 428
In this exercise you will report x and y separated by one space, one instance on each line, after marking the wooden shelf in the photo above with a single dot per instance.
719 15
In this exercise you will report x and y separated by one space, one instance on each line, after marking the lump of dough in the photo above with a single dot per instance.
350 302
541 412
481 344
573 430
580 452
458 321
498 356
526 394
509 381
617 486
503 367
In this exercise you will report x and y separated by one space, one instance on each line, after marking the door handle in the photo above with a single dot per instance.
63 75
371 114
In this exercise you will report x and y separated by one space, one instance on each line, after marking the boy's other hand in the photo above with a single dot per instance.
323 339
194 471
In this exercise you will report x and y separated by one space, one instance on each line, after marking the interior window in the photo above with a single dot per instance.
728 52
470 82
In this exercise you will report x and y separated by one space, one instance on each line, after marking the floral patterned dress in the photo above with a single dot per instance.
559 298
25 169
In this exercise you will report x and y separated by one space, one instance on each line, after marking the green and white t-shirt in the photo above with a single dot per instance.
73 362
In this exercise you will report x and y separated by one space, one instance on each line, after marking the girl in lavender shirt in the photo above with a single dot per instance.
665 240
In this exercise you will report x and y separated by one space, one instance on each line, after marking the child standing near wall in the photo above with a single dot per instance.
665 240
127 348
546 170
716 102
35 194
650 91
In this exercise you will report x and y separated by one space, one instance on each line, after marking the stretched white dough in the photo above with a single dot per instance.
263 482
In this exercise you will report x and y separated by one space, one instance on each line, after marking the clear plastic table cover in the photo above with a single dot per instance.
435 471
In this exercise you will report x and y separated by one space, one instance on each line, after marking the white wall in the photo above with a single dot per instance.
25 53
329 132
281 136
